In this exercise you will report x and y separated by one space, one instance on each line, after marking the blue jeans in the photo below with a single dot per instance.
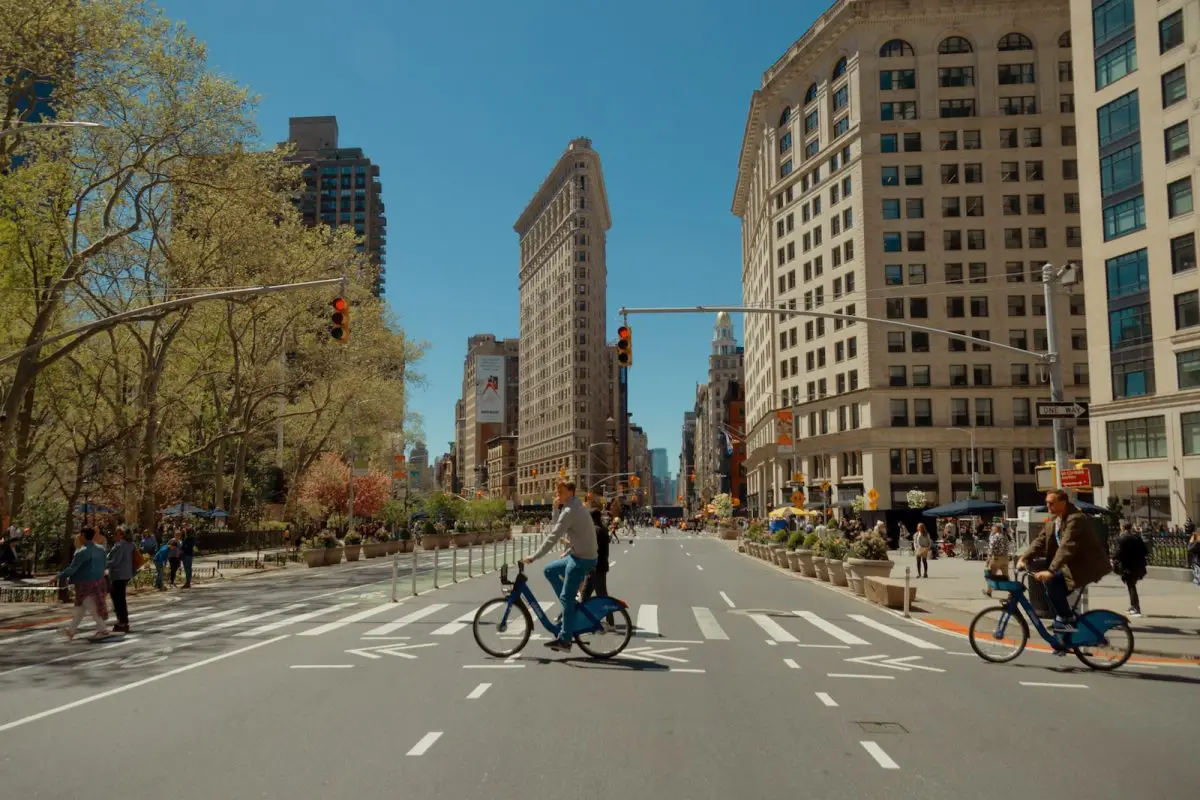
187 570
566 576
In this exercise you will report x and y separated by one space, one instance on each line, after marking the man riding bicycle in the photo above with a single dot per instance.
1075 554
566 574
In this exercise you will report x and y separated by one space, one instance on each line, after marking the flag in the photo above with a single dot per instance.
728 443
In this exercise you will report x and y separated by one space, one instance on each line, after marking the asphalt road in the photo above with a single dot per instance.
738 684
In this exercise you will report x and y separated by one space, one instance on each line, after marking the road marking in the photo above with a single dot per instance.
679 669
650 653
881 758
901 635
647 621
952 653
457 625
791 663
426 742
700 568
321 666
390 650
205 618
728 602
680 641
825 646
708 623
1034 683
344 621
493 666
274 626
827 700
626 550
229 623
687 553
853 675
612 563
478 691
135 685
69 656
842 635
772 628
772 642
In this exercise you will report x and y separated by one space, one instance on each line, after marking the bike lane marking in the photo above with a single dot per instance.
881 758
420 748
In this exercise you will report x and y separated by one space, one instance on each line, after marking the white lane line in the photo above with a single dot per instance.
321 666
881 758
772 642
826 699
708 623
901 635
493 666
772 628
679 641
612 563
694 671
478 691
1035 683
791 662
282 623
344 621
842 635
125 687
426 742
825 646
700 568
952 653
194 620
626 550
229 623
421 613
1142 666
867 677
686 553
728 602
457 625
647 621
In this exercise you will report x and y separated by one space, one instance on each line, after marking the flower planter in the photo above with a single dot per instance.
315 558
860 568
333 555
820 567
353 551
394 546
793 561
462 540
435 542
777 551
404 545
837 572
375 549
807 568
729 533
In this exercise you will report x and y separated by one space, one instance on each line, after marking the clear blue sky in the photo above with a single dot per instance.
466 105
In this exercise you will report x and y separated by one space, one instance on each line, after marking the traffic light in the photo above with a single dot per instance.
625 346
339 320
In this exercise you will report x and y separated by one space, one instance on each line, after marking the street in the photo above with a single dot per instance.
741 681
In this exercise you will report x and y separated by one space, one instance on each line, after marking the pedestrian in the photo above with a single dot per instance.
86 572
1129 561
922 545
1193 550
997 555
173 557
161 556
597 581
149 544
120 573
187 551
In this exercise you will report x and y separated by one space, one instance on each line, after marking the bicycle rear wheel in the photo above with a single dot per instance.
994 643
608 641
502 631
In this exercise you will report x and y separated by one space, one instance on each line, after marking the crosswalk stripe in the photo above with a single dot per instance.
229 623
901 635
840 634
420 613
218 615
344 621
708 623
457 625
647 621
772 628
283 623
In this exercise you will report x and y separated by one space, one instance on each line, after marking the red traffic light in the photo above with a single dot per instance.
623 332
339 304
340 320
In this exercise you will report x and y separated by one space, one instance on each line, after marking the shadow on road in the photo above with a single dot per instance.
1122 673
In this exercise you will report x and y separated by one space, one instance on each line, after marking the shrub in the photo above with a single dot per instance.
353 538
795 540
835 548
781 536
810 541
818 546
870 547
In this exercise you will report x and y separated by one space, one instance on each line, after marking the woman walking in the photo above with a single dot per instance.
922 545
86 571
997 555
1130 563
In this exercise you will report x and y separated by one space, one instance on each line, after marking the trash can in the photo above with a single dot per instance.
1037 590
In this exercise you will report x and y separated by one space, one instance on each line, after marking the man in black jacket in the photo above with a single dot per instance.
597 582
1129 562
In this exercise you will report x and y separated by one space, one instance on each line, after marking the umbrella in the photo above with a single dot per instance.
786 511
180 509
1082 505
966 508
92 508
217 513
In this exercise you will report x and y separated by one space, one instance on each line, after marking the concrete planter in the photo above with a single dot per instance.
375 549
463 539
807 568
837 572
860 568
353 552
333 555
793 561
729 533
404 546
438 541
781 557
315 558
394 546
741 545
821 569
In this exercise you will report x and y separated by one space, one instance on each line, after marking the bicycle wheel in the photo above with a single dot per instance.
988 639
506 632
1113 652
608 641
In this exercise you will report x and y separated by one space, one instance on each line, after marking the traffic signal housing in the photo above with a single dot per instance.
339 320
625 346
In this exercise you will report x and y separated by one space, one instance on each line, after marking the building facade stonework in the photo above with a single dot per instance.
473 455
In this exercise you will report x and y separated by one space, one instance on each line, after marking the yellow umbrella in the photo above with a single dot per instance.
786 511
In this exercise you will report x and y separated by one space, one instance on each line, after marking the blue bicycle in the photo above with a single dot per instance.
502 626
1102 639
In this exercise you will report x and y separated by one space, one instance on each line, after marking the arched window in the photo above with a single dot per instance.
1064 41
954 44
785 117
811 94
1014 41
839 69
895 48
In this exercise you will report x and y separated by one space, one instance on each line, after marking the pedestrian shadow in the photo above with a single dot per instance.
1126 673
615 664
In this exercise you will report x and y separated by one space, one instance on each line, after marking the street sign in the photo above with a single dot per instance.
873 495
1076 479
1072 410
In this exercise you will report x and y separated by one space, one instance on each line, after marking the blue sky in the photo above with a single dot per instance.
466 105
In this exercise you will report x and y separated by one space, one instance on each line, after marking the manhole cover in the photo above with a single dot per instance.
882 727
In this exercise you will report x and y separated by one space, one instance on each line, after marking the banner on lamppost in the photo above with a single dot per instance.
489 389
783 432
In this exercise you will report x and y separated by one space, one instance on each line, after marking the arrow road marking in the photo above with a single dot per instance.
901 664
650 654
390 650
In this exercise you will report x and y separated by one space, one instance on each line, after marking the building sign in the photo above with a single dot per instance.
489 389
783 431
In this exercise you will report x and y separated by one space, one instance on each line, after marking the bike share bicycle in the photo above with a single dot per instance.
593 633
1095 631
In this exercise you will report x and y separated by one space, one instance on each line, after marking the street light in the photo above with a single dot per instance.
974 472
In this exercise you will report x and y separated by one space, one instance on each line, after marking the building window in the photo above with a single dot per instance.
1118 119
913 175
1066 72
1144 437
1014 41
895 342
979 306
897 375
916 241
916 274
841 127
1124 218
1133 379
1190 427
1130 326
1016 305
1170 31
894 111
1110 19
893 274
785 142
785 168
918 307
983 412
892 242
896 48
1019 374
956 108
1120 170
982 374
1116 63
1183 253
1081 375
972 140
1070 169
1187 368
1066 136
922 413
920 375
1174 86
954 44
895 79
811 121
1009 74
976 239
1127 274
1177 141
1016 106
1187 310
956 76
1071 202
1179 197
899 412
1022 415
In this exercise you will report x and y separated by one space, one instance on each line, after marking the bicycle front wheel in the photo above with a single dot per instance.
993 637
502 630
610 639
1114 651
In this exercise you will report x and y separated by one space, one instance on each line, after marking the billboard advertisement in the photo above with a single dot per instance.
489 389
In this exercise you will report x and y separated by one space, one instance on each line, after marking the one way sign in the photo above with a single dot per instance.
1071 410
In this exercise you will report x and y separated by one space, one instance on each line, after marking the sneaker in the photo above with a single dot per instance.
1133 612
1063 627
558 645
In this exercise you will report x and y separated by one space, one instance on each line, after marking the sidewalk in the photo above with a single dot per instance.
1170 627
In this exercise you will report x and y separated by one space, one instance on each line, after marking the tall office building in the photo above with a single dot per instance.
563 282
715 444
910 161
341 187
687 460
660 494
489 411
1134 110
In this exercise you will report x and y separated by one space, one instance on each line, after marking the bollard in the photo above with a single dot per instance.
470 559
907 573
395 577
414 570
494 549
436 562
454 565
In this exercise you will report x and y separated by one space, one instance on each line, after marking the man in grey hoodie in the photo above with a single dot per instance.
120 573
567 573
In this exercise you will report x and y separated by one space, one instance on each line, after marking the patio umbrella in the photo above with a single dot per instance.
966 508
216 513
92 508
182 509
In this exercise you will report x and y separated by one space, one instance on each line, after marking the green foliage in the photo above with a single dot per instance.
810 541
781 536
445 508
795 540
871 547
353 538
835 547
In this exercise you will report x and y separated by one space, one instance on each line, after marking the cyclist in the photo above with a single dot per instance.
566 574
1075 554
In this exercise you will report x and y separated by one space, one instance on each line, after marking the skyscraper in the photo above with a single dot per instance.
563 281
501 360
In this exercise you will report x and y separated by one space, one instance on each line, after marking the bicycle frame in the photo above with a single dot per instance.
1089 629
585 620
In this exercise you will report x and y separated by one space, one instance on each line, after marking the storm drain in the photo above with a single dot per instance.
881 727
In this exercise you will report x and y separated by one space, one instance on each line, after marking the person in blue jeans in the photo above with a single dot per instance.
187 551
567 574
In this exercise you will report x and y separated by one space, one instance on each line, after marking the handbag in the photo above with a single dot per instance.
138 559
